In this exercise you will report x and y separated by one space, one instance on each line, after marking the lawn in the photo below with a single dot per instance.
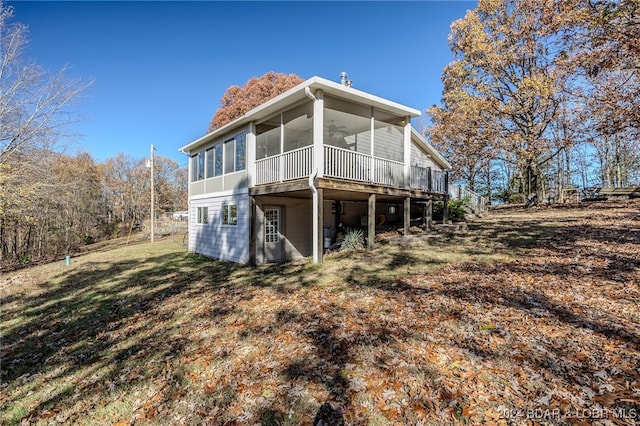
528 316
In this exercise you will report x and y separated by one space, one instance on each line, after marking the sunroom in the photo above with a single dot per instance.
357 143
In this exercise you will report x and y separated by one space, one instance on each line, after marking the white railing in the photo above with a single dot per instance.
388 172
476 201
298 163
345 164
268 170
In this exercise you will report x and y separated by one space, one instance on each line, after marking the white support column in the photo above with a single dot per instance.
318 132
281 168
407 151
251 154
372 161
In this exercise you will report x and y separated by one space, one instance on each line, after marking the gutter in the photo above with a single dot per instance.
307 92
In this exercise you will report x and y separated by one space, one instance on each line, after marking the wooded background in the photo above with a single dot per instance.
52 202
542 96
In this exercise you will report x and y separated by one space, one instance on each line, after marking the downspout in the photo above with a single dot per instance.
312 176
314 190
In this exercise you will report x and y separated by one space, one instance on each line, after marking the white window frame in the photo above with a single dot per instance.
228 219
202 215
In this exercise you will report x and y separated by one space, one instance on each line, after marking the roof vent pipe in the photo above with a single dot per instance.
343 79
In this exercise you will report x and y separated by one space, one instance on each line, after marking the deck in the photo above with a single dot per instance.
351 166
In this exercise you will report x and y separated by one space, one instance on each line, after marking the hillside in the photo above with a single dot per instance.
530 315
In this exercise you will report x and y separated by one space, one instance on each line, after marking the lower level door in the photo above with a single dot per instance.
273 241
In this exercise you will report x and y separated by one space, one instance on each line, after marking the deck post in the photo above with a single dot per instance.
252 231
445 216
445 210
407 216
428 210
371 222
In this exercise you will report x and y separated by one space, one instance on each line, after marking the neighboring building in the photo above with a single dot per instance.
272 184
180 215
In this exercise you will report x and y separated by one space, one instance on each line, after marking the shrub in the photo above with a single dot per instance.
353 240
457 209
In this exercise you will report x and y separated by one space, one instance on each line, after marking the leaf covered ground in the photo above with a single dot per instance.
528 317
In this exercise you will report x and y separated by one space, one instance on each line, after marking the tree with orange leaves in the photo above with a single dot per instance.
237 100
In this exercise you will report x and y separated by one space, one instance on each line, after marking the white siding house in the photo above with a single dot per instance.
275 184
218 226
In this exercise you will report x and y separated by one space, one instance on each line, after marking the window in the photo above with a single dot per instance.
209 160
347 131
202 215
298 127
272 225
268 138
194 167
197 166
201 165
228 156
388 136
213 160
235 154
241 154
230 214
218 159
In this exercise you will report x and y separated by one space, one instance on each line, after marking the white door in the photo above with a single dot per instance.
273 241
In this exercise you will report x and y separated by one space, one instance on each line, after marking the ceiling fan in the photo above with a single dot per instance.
333 129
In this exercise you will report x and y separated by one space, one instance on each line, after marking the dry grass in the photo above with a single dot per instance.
530 315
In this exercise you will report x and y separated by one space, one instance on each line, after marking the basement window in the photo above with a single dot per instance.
230 214
202 215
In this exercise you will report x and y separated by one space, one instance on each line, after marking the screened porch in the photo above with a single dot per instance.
358 143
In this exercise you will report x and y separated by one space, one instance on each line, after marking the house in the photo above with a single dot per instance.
180 215
274 184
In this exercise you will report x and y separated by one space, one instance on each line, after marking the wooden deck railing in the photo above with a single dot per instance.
388 172
429 180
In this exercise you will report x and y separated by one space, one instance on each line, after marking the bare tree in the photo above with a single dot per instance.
33 104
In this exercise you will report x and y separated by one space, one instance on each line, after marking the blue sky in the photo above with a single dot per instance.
160 68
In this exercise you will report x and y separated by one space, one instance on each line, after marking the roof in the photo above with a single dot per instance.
298 93
430 149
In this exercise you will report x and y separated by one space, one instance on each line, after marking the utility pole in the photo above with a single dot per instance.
153 212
